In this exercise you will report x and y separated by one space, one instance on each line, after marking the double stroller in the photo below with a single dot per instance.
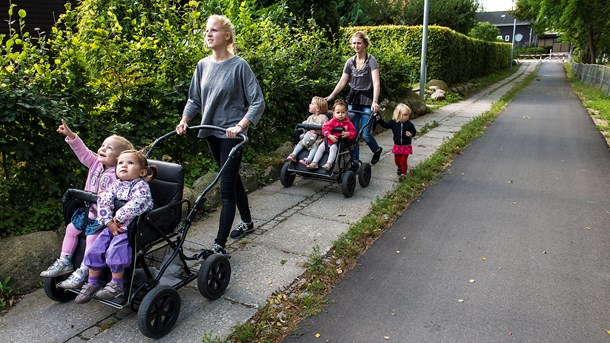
344 170
157 238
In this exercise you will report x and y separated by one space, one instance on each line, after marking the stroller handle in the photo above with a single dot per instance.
161 139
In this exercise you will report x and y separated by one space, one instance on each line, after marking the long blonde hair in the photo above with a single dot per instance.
228 26
402 113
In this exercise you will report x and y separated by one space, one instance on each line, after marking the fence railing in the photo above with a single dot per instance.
552 56
593 75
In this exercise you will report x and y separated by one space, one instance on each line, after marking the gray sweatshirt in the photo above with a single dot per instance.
225 92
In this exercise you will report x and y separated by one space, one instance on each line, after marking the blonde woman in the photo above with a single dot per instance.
226 93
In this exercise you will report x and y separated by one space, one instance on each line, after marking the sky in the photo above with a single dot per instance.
497 5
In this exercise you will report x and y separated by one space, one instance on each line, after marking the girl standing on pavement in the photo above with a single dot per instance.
362 73
226 92
403 131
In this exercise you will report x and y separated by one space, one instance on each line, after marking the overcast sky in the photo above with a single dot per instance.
497 5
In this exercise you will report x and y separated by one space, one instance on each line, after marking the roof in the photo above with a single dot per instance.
499 18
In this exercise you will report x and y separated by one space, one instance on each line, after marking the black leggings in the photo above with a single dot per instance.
232 190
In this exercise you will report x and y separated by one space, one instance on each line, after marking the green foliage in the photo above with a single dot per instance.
6 293
484 31
124 67
583 23
451 56
459 15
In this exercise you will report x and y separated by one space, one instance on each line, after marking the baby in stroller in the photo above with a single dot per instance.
311 139
340 120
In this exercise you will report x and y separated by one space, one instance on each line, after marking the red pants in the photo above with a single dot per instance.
401 162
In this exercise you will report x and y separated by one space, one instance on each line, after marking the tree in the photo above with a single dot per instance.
484 31
458 15
581 22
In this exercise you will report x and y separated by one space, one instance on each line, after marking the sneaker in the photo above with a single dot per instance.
376 156
242 229
110 292
58 268
76 279
217 249
327 166
402 177
398 171
86 293
291 158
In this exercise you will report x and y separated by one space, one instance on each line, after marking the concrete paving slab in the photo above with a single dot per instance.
301 233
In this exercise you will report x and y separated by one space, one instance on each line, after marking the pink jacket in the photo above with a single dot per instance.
98 179
327 129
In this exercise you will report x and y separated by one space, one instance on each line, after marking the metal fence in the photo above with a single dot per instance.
593 75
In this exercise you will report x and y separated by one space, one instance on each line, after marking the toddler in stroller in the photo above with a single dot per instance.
311 139
339 166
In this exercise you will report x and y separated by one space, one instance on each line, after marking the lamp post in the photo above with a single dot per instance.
424 47
512 47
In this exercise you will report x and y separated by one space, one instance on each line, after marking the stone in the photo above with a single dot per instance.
439 84
22 258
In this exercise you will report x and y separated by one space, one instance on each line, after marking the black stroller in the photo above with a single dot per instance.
157 238
344 169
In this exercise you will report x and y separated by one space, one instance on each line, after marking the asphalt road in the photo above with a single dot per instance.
512 245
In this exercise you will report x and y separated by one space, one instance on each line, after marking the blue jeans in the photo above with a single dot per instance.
360 120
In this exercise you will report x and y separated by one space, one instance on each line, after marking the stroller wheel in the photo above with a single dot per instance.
348 183
286 177
364 175
57 293
159 311
214 276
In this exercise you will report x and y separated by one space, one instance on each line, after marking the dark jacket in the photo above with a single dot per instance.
398 130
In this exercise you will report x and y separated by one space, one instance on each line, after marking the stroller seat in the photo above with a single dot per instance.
166 189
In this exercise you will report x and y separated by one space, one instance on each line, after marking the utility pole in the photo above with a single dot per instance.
512 47
424 47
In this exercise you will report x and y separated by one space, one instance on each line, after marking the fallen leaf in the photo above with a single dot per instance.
587 228
514 203
483 258
471 280
270 282
460 300
509 181
386 337
608 331
339 271
317 335
398 251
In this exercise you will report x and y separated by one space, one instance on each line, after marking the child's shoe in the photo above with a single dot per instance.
313 165
327 166
76 279
110 292
402 177
305 162
58 268
86 293
291 158
398 171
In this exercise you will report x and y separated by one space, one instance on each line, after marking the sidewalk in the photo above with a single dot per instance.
289 221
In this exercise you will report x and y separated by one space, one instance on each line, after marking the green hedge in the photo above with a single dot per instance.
451 56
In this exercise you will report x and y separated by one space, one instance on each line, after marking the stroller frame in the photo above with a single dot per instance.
157 238
344 169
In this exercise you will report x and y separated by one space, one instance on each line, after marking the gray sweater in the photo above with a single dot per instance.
225 93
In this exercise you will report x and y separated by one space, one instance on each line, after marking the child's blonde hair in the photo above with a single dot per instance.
228 26
321 103
123 143
402 113
140 156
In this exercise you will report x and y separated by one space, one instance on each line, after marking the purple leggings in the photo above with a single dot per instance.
111 251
